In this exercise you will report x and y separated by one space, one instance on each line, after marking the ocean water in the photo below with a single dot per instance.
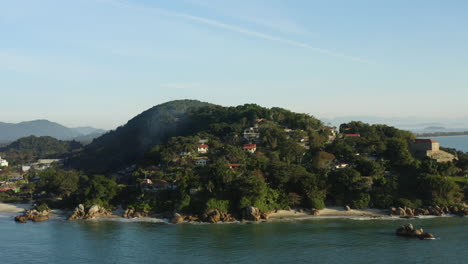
456 142
292 241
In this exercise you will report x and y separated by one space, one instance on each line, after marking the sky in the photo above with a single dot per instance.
101 62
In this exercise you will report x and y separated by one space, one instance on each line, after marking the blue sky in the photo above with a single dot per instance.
101 62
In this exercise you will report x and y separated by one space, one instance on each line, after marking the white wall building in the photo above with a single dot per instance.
3 163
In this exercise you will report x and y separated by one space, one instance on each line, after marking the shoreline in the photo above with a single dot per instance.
277 216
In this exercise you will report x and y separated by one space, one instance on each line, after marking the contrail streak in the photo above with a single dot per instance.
244 31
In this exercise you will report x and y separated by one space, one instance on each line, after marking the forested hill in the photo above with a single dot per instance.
29 149
192 156
127 144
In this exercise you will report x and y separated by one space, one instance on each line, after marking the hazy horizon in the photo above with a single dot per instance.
101 62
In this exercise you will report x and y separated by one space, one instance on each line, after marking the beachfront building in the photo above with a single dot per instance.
421 148
3 162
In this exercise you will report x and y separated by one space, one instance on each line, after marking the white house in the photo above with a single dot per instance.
3 163
251 134
203 148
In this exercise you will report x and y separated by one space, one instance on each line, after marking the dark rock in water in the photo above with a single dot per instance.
34 215
409 231
40 218
426 236
21 219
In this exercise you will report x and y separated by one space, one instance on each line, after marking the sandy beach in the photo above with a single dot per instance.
13 207
330 211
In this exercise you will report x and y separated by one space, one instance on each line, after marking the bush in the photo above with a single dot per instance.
380 200
42 207
317 203
221 205
361 202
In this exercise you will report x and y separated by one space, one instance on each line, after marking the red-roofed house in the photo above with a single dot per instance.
203 148
146 181
352 135
251 148
233 165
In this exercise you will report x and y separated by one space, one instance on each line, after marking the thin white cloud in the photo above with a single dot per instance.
244 31
270 16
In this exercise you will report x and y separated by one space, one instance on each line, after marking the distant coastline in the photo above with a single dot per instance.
442 134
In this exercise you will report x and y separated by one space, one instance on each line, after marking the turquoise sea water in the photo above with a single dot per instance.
305 241
456 142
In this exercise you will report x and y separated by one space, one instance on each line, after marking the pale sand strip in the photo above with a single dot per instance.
13 208
330 211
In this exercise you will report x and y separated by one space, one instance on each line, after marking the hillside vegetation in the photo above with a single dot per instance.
29 149
191 157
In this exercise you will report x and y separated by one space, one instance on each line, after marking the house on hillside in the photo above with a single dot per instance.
3 162
421 148
201 161
341 165
304 142
234 166
251 134
148 185
331 133
203 148
251 148
352 135
44 164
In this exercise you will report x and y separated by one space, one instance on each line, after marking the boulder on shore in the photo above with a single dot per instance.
93 211
251 213
177 219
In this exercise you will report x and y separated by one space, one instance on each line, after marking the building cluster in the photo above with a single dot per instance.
41 164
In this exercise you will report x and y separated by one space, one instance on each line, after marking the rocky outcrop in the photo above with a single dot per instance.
21 219
177 219
251 213
215 216
132 213
78 213
93 212
315 212
430 210
33 215
409 231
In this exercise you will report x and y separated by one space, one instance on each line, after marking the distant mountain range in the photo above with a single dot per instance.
10 132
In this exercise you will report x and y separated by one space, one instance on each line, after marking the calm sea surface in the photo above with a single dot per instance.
305 241
456 142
